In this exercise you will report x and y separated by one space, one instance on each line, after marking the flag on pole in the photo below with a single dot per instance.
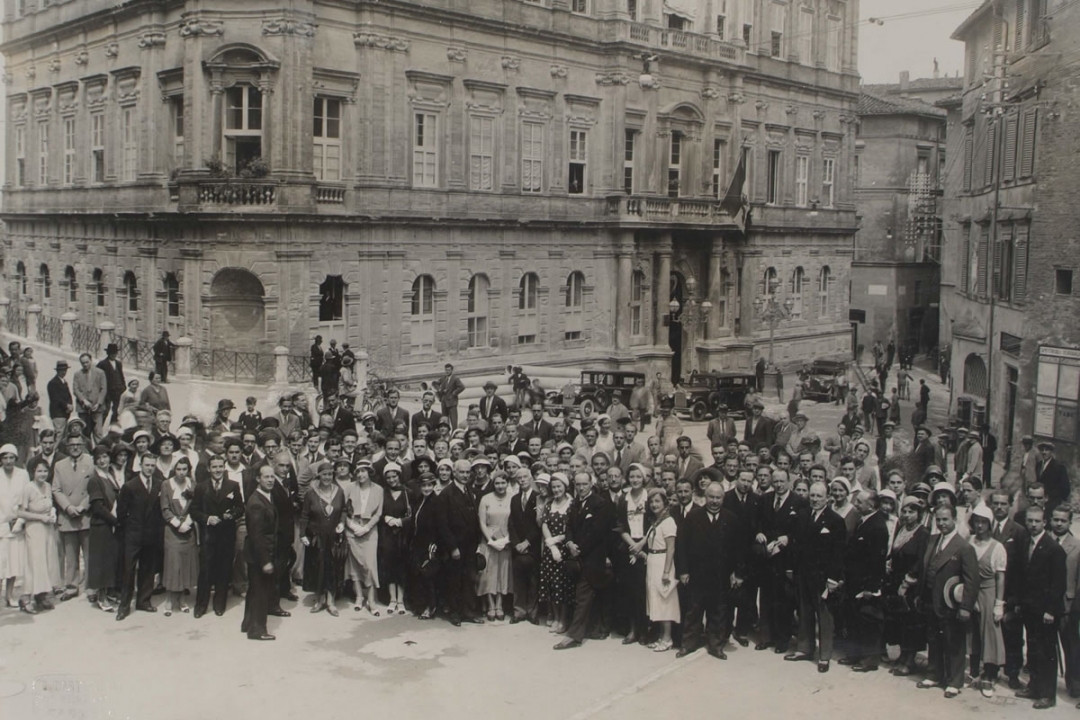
735 202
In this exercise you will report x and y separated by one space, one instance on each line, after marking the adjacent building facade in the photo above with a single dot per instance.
1009 305
437 181
895 274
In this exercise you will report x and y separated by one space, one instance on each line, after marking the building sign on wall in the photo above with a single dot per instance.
1057 394
877 290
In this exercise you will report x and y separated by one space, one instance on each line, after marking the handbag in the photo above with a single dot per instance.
431 566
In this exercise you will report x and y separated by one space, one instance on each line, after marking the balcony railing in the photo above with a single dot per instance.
235 193
679 40
635 208
329 195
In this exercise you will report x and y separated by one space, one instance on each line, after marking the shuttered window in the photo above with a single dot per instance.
1004 235
1009 168
984 249
969 147
991 146
1019 42
965 258
1027 143
1020 263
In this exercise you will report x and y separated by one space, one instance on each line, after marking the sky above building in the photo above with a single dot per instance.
910 36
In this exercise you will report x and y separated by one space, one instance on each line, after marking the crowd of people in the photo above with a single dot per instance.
594 527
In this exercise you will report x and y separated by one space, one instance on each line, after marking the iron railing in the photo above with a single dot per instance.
50 330
16 320
299 369
85 338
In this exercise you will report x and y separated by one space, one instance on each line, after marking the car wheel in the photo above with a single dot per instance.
554 402
588 407
698 411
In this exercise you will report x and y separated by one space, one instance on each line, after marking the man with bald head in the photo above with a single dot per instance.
782 516
459 535
864 566
710 558
820 572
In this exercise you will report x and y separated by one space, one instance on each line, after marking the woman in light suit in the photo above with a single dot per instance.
363 510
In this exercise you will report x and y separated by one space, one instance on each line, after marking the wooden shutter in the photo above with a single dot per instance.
991 145
1019 42
965 259
969 157
1009 168
998 31
1000 239
1027 143
1020 263
984 251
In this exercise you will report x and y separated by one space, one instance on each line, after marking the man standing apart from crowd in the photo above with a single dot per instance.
448 388
163 355
91 388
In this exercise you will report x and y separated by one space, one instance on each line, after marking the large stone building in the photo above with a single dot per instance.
895 274
474 181
1009 303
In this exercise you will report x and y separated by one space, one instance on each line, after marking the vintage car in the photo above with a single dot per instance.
819 379
704 392
593 394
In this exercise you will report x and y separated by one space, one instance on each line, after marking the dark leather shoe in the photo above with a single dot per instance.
823 667
629 639
1025 694
199 614
684 652
291 596
741 640
567 644
122 613
455 622
902 671
863 668
848 661
718 654
1044 704
219 613
763 646
798 657
264 636
474 620
780 649
146 608
280 613
515 620
1015 684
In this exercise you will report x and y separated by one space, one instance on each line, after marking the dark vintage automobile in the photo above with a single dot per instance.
593 394
820 378
704 392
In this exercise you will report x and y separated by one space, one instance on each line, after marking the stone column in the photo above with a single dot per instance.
33 322
183 356
108 331
625 254
67 331
4 304
360 370
662 291
715 291
281 365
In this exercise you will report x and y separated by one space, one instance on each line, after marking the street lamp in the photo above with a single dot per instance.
772 311
695 311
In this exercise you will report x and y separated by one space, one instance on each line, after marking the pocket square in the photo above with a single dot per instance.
588 516
825 531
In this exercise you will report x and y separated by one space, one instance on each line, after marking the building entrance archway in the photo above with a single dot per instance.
237 310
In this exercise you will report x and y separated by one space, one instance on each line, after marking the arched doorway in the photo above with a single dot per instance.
237 312
975 381
675 326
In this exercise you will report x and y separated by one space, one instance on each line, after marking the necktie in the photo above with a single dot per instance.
776 504
618 458
712 518
217 487
1031 549
147 484
997 529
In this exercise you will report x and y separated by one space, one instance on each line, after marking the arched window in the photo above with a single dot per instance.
637 301
423 313
72 284
20 278
332 299
528 301
98 279
797 287
770 282
824 282
46 282
478 311
172 295
131 292
575 304
974 376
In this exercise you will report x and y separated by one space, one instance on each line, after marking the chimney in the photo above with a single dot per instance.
905 77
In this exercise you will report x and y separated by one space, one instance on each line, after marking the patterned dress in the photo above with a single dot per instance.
555 583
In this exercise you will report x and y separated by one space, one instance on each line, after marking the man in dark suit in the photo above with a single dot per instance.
260 548
1014 538
742 502
536 426
722 428
710 552
61 402
948 555
525 542
138 512
389 415
459 535
1039 597
1052 475
216 506
114 380
589 538
864 566
426 415
782 515
448 388
819 572
759 429
687 465
491 404
286 497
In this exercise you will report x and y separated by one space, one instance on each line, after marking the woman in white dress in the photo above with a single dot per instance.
363 510
661 597
494 582
987 642
42 540
12 540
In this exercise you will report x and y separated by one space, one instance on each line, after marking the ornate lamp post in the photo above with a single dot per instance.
772 311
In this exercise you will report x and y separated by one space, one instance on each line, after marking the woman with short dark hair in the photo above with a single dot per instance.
181 568
322 528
